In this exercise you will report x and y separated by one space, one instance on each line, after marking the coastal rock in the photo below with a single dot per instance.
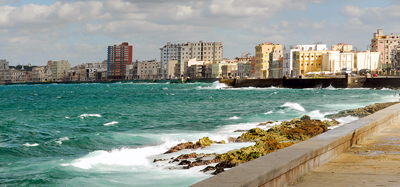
184 162
362 112
187 156
156 160
181 146
266 123
218 170
208 168
203 142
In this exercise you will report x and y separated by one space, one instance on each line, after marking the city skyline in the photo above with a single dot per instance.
80 31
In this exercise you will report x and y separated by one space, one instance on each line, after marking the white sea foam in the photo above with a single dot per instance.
270 112
344 121
61 140
215 85
66 117
316 114
123 157
235 117
31 145
295 106
90 115
111 123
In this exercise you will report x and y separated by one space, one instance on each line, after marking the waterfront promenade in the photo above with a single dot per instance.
360 153
374 162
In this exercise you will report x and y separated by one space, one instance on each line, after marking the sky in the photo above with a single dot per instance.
79 31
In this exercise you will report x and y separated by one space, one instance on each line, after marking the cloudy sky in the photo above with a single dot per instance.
79 31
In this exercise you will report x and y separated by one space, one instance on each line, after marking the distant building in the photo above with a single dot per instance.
342 47
263 52
368 60
290 66
118 57
148 70
4 65
385 44
59 69
276 64
38 74
202 51
308 61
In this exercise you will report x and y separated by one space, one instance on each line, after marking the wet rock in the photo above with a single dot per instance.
203 142
266 123
240 131
156 160
362 112
187 156
185 162
218 170
208 168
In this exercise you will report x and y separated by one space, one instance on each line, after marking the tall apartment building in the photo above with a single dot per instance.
4 65
385 44
58 69
276 64
202 51
118 56
263 52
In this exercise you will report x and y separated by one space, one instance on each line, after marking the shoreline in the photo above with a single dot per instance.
266 141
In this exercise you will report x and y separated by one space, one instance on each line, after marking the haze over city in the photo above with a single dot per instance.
80 31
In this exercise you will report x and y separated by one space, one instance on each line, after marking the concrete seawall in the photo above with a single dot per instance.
347 82
284 166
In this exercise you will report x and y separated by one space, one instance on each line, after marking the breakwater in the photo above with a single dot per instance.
284 166
346 82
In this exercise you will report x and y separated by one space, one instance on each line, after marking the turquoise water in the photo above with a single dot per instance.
109 134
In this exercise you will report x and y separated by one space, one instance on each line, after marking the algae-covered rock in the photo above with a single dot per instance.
203 142
364 111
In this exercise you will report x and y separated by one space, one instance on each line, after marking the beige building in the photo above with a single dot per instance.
216 70
262 58
38 74
385 44
308 61
342 47
59 69
148 70
202 51
171 69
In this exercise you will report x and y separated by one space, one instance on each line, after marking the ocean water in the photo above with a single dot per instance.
109 134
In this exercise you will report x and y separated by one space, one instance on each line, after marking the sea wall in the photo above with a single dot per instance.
284 166
347 82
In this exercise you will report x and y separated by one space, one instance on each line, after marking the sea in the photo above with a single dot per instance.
108 134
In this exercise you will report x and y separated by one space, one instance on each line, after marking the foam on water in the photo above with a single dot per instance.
31 145
89 115
111 123
215 86
235 117
122 157
61 140
270 112
295 106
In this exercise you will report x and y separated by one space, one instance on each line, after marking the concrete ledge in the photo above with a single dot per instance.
284 166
